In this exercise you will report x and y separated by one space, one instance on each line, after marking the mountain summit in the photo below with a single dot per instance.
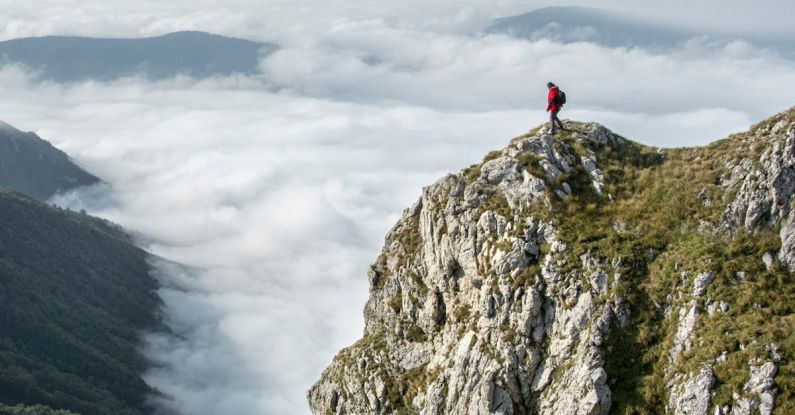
586 274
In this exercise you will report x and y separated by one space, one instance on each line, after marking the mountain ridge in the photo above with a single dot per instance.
75 58
569 24
586 274
33 166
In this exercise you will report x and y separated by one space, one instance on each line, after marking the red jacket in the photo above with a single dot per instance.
552 99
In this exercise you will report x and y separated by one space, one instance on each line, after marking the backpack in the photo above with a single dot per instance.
561 97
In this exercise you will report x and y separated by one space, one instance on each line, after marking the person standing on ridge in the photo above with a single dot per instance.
555 100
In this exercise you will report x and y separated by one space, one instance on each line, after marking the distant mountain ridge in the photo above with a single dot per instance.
584 24
197 54
567 24
31 165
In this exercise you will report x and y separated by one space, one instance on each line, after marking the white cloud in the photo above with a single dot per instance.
497 72
277 193
281 202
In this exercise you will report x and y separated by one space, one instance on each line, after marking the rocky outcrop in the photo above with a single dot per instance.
762 385
688 314
787 252
693 396
469 306
767 186
507 288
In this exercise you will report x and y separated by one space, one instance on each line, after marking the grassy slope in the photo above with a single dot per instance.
73 296
659 202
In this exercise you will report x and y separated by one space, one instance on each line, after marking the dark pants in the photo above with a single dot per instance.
554 122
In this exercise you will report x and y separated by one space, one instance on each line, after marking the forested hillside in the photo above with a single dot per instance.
31 165
74 297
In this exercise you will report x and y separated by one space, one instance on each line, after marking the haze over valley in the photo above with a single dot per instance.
261 151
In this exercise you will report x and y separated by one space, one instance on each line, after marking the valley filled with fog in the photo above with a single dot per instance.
274 190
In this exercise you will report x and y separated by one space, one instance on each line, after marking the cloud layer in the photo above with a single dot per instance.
278 203
275 191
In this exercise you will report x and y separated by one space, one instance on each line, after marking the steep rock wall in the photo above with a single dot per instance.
582 274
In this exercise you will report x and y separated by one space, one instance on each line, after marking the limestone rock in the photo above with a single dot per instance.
766 189
485 300
693 396
787 253
684 330
700 283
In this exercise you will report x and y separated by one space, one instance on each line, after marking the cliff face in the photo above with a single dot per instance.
586 274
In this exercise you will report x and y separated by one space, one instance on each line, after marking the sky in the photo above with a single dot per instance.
286 20
265 198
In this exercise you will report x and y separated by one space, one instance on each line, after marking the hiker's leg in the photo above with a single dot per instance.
557 120
552 126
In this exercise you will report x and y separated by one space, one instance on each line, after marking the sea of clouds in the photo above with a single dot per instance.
274 192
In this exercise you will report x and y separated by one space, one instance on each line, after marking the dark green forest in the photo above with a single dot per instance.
75 295
31 165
